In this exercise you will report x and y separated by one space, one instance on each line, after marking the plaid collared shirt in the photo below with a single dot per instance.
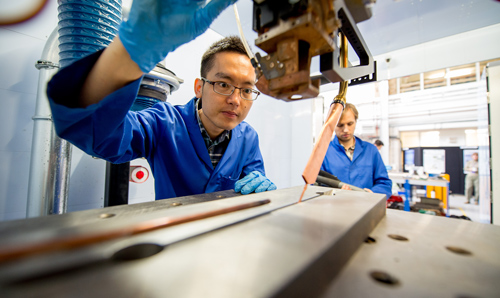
217 147
350 151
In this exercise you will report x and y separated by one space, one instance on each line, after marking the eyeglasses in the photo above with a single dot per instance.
223 88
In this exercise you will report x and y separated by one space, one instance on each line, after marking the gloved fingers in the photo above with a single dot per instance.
267 185
240 183
253 184
156 27
263 186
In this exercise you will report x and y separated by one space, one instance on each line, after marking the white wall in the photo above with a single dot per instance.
20 47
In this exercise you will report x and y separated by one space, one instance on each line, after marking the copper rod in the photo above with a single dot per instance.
319 150
52 245
303 191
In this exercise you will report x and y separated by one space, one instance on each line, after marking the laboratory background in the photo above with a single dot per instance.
433 105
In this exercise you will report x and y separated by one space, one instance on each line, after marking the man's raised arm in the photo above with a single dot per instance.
113 70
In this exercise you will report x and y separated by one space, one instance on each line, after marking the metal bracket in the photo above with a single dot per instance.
330 63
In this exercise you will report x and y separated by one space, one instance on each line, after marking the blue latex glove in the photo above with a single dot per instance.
156 27
254 181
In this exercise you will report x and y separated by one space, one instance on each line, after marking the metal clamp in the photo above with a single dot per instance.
43 64
39 117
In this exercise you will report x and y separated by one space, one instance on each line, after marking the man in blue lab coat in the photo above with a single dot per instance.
200 147
354 161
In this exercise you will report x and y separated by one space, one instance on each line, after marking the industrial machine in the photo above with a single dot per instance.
334 243
292 32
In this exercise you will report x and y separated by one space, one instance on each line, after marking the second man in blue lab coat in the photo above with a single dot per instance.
354 161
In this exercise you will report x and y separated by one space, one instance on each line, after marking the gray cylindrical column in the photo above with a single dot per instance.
40 178
61 166
50 155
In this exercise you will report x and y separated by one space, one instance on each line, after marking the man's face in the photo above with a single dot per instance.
475 156
225 112
346 126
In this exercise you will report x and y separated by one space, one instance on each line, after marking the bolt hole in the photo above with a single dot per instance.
397 237
137 251
384 277
459 250
106 215
370 240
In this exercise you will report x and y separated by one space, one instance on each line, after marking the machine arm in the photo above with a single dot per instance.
292 32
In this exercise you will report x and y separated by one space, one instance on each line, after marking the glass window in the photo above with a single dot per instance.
409 83
434 79
462 74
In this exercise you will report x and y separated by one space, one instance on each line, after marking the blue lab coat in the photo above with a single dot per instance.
167 136
366 170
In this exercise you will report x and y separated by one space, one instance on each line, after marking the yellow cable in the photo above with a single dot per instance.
463 212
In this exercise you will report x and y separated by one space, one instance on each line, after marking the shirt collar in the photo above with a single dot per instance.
349 151
350 148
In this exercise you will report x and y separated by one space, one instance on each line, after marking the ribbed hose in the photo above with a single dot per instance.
86 26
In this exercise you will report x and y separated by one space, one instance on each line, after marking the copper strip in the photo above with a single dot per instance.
17 252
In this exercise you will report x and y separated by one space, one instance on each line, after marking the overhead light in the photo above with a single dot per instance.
459 72
437 75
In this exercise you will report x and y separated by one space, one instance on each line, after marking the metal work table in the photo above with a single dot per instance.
282 249
408 182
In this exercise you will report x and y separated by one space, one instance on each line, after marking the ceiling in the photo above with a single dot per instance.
395 24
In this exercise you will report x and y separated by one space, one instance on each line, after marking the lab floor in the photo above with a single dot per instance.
459 208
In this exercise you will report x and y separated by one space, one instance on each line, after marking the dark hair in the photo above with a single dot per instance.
379 143
350 106
227 44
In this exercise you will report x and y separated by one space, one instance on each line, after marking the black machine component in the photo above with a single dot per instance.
117 182
267 13
330 64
